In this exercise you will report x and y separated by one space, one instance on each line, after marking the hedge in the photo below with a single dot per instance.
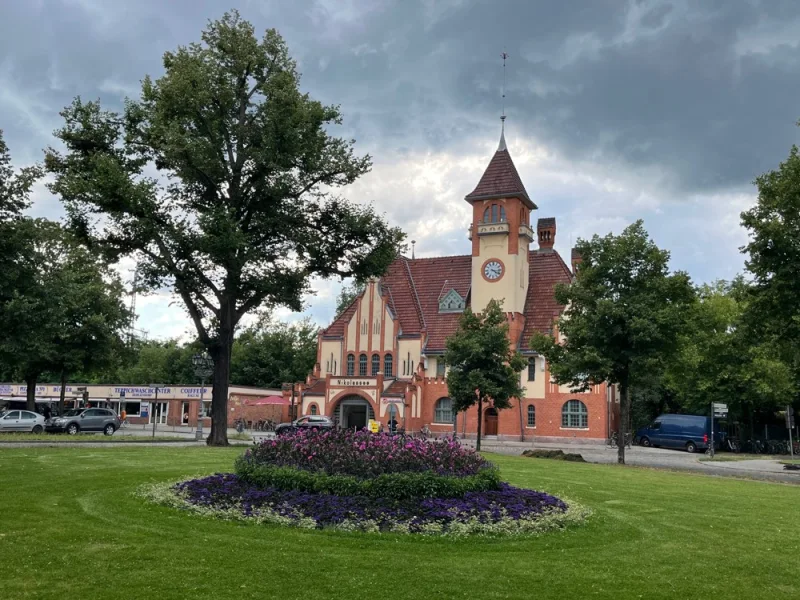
396 486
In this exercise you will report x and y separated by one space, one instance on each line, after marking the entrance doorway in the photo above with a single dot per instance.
158 412
490 421
353 412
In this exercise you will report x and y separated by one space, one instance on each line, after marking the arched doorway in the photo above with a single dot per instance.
353 412
490 421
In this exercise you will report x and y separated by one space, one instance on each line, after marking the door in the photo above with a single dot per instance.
92 419
490 422
27 420
10 422
158 411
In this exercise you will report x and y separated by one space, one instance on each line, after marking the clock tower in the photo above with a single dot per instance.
501 235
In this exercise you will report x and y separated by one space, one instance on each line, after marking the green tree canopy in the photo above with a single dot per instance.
624 313
220 179
483 366
773 259
347 296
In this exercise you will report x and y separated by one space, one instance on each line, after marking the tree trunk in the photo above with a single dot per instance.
63 391
30 393
221 353
521 423
624 411
480 413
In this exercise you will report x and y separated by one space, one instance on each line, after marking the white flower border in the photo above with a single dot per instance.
166 494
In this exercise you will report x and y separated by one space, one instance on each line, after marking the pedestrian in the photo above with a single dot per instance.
46 412
186 418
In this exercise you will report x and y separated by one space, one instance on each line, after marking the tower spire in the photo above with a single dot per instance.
502 145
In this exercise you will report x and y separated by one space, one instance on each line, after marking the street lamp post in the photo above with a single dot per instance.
203 368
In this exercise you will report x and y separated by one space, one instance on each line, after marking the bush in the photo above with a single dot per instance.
395 486
365 455
554 455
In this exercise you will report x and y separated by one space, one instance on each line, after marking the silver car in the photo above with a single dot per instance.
21 420
85 419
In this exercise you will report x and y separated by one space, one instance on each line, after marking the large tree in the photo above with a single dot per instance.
67 315
773 250
482 365
347 296
624 313
220 180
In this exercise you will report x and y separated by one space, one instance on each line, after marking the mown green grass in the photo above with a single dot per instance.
738 457
70 528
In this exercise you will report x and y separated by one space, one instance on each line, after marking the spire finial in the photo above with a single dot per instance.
502 145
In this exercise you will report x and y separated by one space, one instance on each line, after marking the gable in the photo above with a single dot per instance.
452 302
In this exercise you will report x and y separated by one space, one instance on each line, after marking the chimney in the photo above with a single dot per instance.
576 260
547 233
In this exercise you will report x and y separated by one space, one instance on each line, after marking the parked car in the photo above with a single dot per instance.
22 420
688 432
309 422
85 419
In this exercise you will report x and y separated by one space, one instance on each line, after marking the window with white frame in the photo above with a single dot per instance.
531 415
443 411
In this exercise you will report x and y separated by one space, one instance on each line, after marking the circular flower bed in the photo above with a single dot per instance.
361 481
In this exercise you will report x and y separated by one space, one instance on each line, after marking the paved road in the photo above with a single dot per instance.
768 470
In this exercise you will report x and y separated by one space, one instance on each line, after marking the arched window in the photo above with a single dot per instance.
443 412
502 214
376 364
486 215
351 365
531 415
387 365
362 365
574 415
313 409
494 213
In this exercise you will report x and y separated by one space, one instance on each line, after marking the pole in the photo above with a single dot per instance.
198 434
711 447
789 423
153 413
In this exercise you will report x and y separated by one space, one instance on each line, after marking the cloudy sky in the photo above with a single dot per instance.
663 110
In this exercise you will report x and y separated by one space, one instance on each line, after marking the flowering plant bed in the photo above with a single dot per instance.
506 511
359 481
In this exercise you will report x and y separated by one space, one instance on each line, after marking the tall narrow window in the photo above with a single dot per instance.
362 365
494 213
440 366
532 368
376 364
387 365
531 415
351 365
502 214
486 215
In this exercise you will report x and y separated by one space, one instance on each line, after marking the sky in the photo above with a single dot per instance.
618 110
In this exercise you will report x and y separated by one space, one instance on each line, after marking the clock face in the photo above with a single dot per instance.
493 270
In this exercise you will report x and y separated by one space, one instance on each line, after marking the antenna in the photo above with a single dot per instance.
502 145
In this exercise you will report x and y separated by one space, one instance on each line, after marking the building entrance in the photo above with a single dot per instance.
353 412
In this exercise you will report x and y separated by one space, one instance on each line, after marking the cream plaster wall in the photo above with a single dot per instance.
407 350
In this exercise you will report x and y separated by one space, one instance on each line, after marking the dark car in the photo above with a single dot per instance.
309 422
85 419
686 432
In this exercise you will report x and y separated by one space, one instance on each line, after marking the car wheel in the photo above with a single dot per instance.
73 429
645 442
38 429
691 447
109 429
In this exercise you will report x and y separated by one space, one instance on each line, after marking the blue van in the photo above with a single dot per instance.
688 432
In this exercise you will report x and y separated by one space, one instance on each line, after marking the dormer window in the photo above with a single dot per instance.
452 302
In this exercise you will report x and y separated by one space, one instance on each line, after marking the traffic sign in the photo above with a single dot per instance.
719 406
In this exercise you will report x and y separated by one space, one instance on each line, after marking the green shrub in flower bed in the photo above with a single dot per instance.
398 486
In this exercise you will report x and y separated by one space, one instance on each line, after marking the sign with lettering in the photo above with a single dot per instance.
354 382
374 426
392 401
144 409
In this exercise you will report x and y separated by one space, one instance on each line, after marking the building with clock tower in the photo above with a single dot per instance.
382 357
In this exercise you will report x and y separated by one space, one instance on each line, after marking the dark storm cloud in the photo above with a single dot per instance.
704 92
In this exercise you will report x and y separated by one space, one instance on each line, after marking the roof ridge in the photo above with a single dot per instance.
416 296
438 257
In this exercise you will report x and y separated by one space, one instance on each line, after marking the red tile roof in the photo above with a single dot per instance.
316 388
545 271
396 388
414 288
501 180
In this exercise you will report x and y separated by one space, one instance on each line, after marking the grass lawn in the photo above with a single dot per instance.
70 528
738 457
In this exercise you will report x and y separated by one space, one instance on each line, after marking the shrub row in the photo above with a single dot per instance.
395 486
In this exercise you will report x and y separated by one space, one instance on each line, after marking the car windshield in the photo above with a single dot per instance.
73 412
